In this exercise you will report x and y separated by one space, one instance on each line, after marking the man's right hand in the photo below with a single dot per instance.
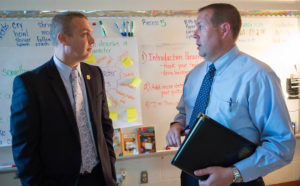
174 134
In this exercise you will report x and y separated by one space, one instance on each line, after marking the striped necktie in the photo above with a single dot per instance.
203 95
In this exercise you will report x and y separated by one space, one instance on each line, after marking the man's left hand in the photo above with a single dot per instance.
218 176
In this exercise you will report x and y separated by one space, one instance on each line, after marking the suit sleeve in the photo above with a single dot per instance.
108 129
24 129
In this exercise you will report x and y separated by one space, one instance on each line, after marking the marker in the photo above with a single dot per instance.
118 29
131 29
294 127
7 166
127 28
124 29
102 29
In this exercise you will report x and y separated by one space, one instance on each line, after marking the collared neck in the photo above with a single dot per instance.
64 69
224 61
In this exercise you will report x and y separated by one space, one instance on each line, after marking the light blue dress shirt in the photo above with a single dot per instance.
64 72
246 97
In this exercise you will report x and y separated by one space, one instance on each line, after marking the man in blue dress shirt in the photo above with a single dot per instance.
245 96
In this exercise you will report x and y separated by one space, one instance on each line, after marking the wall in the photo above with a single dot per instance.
141 4
158 167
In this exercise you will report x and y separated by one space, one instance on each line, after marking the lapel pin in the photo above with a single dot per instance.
88 77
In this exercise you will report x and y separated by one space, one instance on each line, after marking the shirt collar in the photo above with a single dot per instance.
64 69
223 62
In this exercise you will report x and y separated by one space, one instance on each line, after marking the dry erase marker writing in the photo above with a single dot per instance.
102 29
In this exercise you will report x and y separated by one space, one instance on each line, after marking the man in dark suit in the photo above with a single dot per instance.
62 135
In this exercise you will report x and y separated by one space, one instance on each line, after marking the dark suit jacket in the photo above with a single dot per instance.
45 137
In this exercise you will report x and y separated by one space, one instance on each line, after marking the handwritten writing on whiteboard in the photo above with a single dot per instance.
29 33
21 34
171 63
3 29
43 39
165 90
152 22
190 25
13 72
158 104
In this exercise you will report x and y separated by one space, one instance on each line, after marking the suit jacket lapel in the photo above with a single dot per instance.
60 90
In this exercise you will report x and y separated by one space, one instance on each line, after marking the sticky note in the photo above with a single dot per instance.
131 114
113 116
127 61
91 59
108 102
136 82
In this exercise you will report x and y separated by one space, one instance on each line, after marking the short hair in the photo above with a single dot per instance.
61 23
222 13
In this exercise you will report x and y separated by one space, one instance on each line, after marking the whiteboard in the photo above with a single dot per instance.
163 51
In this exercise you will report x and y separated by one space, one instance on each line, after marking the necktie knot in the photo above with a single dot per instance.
211 70
74 73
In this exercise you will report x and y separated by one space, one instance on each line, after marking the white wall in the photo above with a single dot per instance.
141 4
159 169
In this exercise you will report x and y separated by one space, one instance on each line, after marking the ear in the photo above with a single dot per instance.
62 38
225 30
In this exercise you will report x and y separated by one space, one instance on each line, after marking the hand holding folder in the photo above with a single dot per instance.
211 144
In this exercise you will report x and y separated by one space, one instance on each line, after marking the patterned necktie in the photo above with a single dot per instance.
88 152
203 95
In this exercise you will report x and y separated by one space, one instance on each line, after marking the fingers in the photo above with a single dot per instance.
173 136
173 139
202 172
217 176
187 131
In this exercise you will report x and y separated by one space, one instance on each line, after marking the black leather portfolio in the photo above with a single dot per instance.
211 144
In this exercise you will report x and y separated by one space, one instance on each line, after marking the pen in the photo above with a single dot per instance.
230 104
185 128
102 29
118 29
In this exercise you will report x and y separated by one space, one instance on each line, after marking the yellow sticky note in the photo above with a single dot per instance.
136 82
108 102
91 59
127 61
113 116
131 114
